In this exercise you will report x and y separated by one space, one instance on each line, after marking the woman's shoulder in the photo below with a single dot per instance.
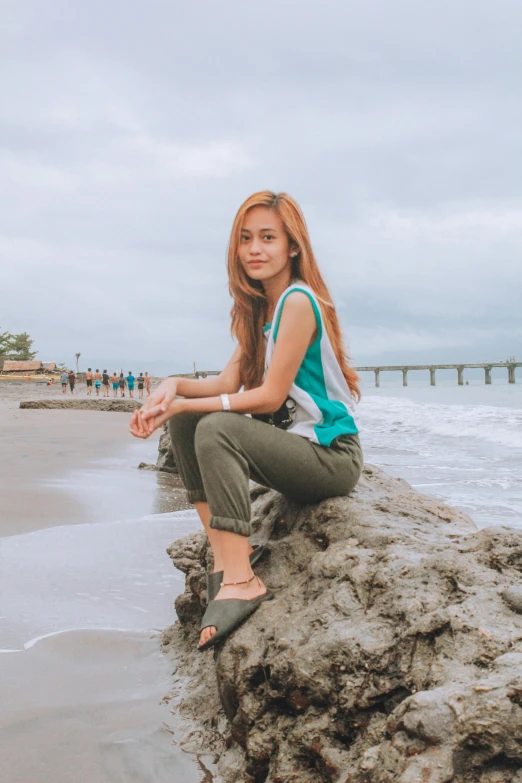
299 298
297 302
297 308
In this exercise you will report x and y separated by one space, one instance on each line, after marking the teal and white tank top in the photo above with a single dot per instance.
324 405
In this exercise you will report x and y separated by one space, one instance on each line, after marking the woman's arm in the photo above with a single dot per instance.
296 330
163 397
227 382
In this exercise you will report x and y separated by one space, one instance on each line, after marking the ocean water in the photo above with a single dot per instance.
462 444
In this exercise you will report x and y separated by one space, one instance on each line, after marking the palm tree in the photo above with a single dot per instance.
77 357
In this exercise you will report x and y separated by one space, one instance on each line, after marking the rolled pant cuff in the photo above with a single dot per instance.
196 496
231 525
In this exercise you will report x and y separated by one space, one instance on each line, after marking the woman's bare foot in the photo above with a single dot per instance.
246 592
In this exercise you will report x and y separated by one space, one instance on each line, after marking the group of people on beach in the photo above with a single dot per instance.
101 381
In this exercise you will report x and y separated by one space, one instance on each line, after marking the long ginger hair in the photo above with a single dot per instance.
249 309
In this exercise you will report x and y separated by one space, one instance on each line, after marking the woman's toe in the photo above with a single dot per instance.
206 634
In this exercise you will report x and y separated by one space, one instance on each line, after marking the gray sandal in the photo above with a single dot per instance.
228 614
214 580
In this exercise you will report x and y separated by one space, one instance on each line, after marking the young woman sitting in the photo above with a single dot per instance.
289 370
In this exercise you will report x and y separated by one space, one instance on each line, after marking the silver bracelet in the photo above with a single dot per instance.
225 402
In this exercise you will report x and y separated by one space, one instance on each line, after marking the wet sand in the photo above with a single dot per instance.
86 706
82 705
38 448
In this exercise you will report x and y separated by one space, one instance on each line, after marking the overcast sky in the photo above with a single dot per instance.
132 131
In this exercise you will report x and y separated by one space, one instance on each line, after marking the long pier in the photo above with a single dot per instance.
509 366
405 369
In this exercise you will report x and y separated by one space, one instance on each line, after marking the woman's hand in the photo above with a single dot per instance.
159 401
156 410
144 423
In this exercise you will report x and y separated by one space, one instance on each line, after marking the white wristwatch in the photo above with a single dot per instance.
225 402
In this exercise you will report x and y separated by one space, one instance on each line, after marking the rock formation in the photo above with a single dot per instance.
392 653
78 403
165 461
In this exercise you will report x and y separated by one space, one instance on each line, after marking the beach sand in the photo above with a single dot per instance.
39 447
82 705
85 706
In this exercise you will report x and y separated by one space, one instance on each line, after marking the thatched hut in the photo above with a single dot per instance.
22 367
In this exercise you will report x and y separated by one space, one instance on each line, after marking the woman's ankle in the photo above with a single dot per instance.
218 561
251 588
238 579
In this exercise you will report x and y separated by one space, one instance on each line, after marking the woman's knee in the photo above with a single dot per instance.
182 425
210 429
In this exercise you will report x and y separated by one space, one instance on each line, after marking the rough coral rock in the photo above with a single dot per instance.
166 461
390 654
96 404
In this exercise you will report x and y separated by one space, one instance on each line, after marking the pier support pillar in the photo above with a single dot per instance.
404 377
487 371
377 378
460 372
511 373
432 376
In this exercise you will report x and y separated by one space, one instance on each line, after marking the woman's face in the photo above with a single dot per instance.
263 248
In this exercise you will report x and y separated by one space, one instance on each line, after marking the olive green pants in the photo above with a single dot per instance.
217 453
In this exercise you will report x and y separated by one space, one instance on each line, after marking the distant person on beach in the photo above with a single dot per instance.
88 381
301 438
121 384
72 380
64 378
140 380
147 384
105 382
115 383
97 382
130 383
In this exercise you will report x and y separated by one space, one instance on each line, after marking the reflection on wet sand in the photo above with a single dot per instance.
96 715
85 586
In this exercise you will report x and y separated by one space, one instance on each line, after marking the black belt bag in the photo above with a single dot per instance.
282 418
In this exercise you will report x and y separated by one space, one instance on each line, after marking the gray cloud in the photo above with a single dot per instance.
130 134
